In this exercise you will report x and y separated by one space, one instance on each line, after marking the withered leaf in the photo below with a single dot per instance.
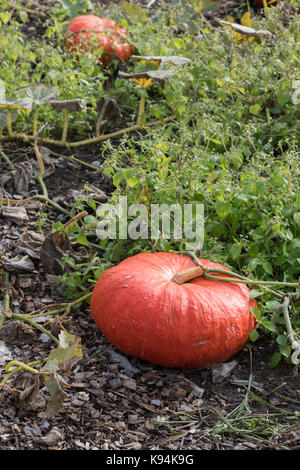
61 359
22 176
16 265
52 251
57 395
149 78
71 105
30 243
109 107
67 353
159 59
26 392
247 31
18 215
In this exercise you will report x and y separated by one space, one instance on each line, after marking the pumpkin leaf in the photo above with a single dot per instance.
3 117
41 93
13 103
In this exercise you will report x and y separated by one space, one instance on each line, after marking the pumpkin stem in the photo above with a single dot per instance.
187 274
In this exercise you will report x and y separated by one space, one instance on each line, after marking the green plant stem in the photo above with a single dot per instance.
43 186
18 369
36 325
6 298
92 140
37 196
53 204
141 111
21 366
9 128
39 157
28 10
240 278
81 162
65 129
5 157
247 281
66 307
100 119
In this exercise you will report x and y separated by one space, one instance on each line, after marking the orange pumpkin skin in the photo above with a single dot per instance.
142 312
261 3
85 29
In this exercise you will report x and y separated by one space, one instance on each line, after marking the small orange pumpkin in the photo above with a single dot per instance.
83 29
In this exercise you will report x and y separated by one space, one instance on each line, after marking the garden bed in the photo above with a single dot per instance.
115 402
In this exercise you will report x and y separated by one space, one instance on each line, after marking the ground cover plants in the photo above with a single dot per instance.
203 112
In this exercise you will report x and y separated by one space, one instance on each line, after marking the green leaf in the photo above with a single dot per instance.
255 293
223 208
41 93
285 351
275 359
12 104
5 16
131 178
76 7
90 220
281 340
297 218
81 238
23 15
254 335
254 109
235 251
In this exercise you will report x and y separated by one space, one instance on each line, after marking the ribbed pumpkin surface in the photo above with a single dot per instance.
85 29
145 314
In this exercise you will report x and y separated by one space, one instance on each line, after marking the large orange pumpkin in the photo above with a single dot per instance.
145 314
87 32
